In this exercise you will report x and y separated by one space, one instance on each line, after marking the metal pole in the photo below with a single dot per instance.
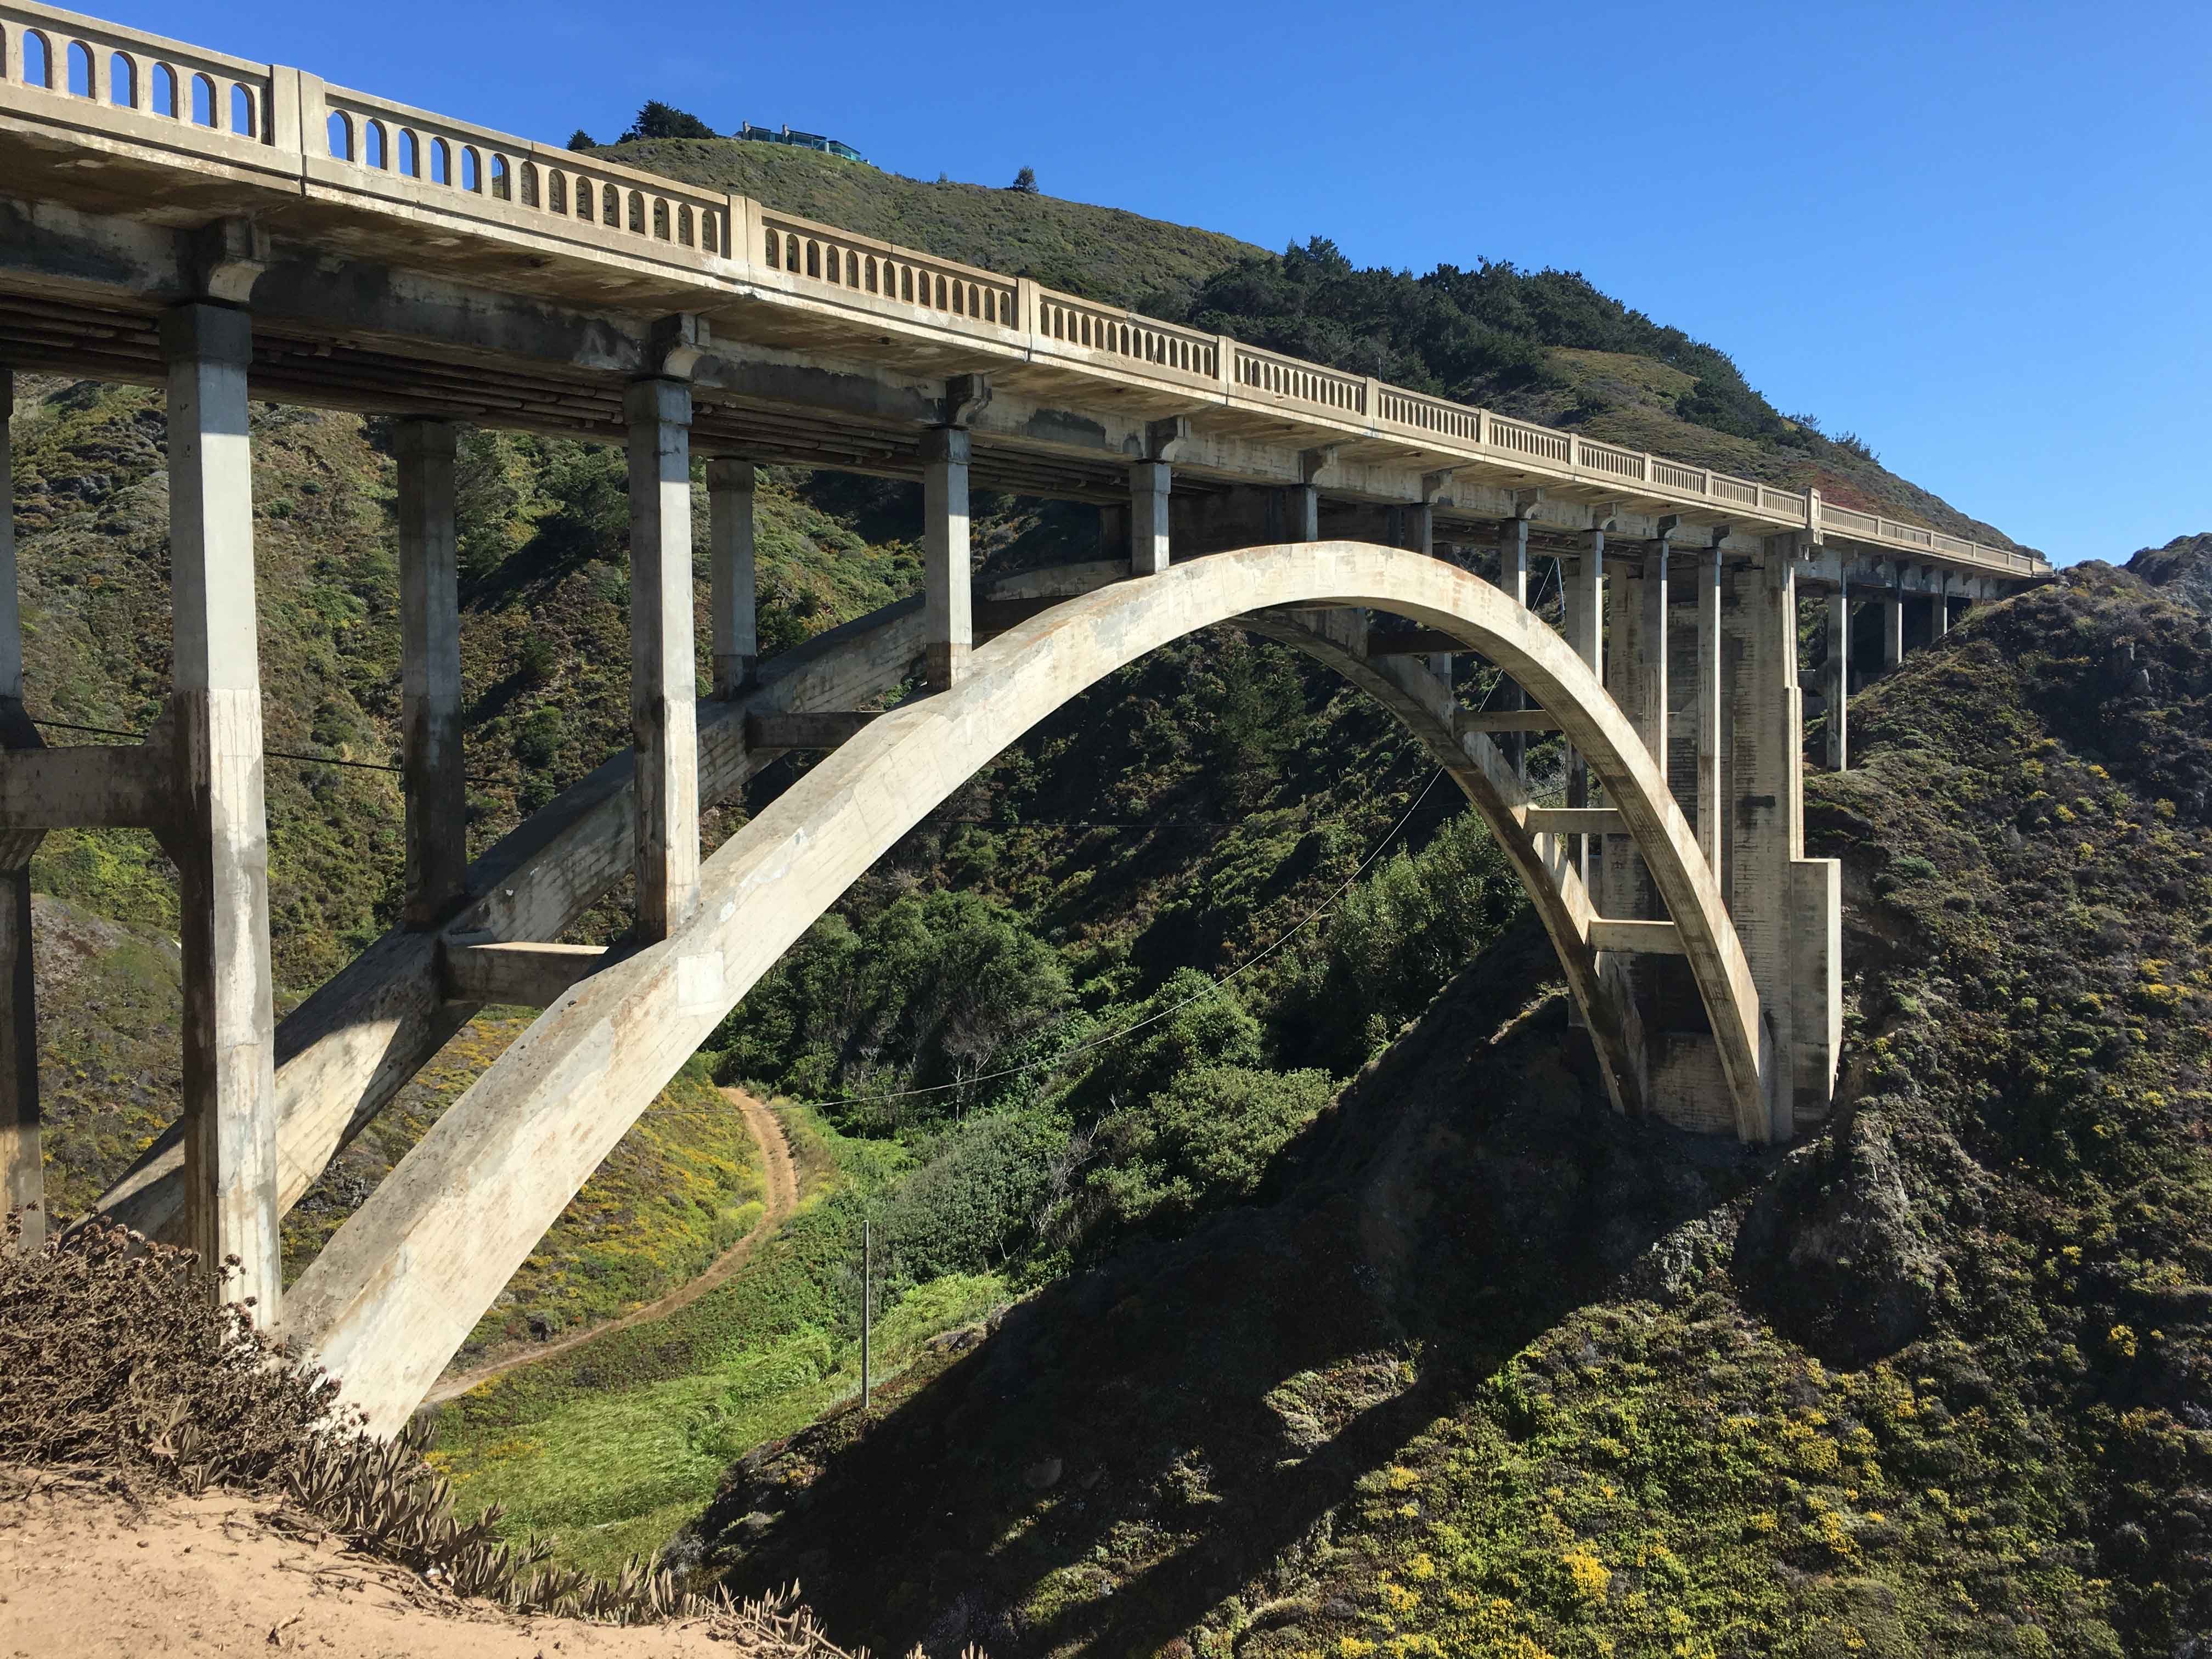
867 1307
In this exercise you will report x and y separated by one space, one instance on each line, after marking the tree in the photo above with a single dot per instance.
581 139
1025 182
659 120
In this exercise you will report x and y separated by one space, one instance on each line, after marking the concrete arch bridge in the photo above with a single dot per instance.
231 229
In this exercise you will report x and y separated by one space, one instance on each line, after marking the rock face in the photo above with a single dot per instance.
2182 568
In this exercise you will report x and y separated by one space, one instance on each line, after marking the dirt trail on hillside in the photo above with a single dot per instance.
88 1574
780 1199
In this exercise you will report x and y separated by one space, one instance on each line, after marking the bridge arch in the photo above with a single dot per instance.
397 1290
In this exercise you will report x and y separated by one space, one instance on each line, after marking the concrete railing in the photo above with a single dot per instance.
65 69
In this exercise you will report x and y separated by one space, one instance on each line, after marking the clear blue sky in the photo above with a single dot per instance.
1979 235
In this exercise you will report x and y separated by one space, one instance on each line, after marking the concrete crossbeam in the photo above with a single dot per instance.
1574 821
1635 936
222 834
1411 643
88 786
436 788
492 973
825 730
663 723
1492 720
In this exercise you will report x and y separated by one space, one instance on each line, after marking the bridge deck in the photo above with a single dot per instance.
478 275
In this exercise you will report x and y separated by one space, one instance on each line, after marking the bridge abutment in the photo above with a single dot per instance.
219 833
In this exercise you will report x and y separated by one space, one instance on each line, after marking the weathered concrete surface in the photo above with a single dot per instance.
221 834
732 597
948 606
86 786
663 688
396 1291
521 976
430 674
23 1176
1150 482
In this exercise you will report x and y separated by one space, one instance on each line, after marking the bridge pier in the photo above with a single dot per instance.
1839 675
1513 581
663 681
219 831
1712 733
733 583
948 610
430 674
1150 485
23 1176
1892 620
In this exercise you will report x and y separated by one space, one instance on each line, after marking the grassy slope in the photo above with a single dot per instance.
1930 1384
1103 253
609 1449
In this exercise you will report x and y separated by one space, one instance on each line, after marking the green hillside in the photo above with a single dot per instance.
1100 253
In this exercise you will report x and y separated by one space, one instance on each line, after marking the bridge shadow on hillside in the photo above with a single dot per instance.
1139 1441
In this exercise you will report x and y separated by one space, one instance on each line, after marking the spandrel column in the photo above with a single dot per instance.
664 682
23 1177
732 581
430 673
948 613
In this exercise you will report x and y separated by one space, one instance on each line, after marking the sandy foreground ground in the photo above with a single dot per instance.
87 1574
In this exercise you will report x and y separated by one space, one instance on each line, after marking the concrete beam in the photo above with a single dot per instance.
664 724
86 786
825 730
432 780
1490 720
222 836
1635 936
492 973
732 581
1413 642
1574 821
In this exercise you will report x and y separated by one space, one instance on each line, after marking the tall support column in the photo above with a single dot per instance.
1939 608
22 1176
663 680
1620 882
1513 579
430 674
1582 601
1150 483
948 617
1710 729
1840 676
222 833
732 583
1893 622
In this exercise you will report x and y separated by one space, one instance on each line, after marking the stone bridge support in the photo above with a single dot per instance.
732 584
22 1178
220 833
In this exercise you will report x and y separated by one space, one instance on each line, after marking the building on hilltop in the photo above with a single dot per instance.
801 140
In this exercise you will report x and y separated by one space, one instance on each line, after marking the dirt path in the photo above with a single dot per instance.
782 1199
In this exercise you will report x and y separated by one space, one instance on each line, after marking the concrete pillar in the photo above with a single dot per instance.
430 674
1710 733
1513 581
1767 784
732 583
1581 599
948 625
1939 608
1838 675
663 680
1620 883
1150 482
221 834
22 1176
1650 657
1305 512
1892 624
